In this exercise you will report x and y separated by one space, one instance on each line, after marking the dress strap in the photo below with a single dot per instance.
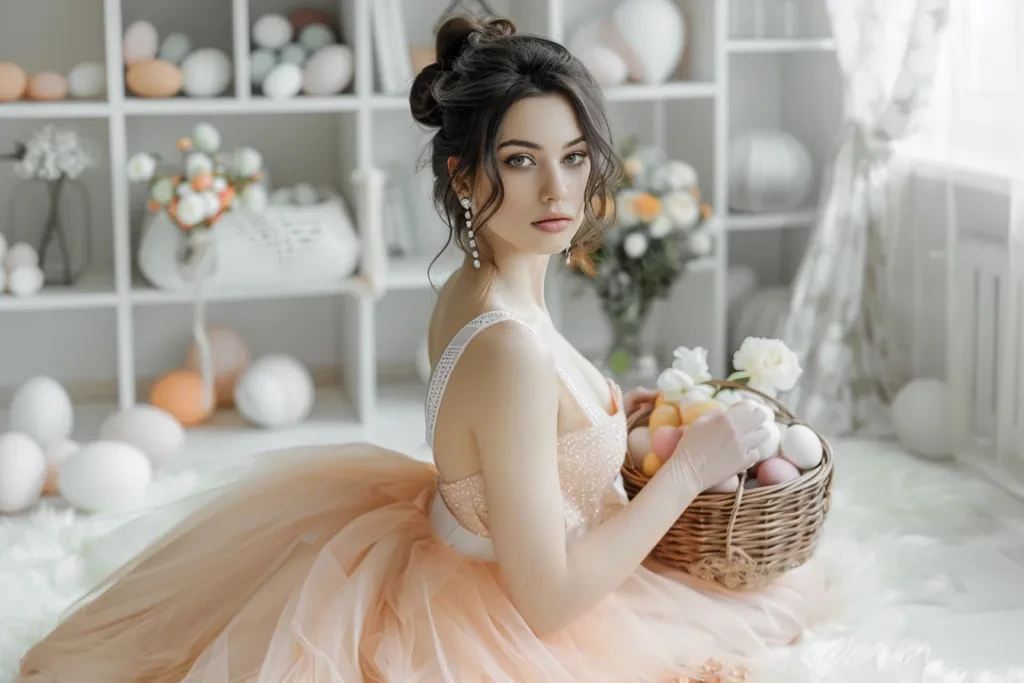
446 364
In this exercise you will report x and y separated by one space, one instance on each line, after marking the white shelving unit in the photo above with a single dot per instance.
129 333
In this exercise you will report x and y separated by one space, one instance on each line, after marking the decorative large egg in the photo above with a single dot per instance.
283 82
47 86
802 447
229 355
152 430
921 418
22 472
328 71
154 78
140 42
272 31
275 391
605 64
87 81
175 47
105 476
41 409
261 62
650 35
13 81
207 72
769 170
180 393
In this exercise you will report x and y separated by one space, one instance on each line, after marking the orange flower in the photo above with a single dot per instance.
646 206
202 181
154 206
706 211
184 143
226 196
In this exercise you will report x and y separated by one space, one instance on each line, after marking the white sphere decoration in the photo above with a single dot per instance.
294 53
105 476
26 280
315 36
261 62
42 410
272 31
175 47
275 391
207 72
20 254
87 80
650 35
152 430
605 64
140 42
328 71
284 81
921 418
22 472
768 171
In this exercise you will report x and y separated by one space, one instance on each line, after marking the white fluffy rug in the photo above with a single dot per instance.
890 515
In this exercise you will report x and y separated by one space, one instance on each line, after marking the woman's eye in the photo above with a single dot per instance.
576 158
519 160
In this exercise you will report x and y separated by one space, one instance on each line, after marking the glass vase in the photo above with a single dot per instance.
628 360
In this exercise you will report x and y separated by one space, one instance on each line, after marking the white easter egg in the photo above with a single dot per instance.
770 446
283 81
41 408
275 391
315 36
294 53
605 64
25 280
802 447
728 486
20 254
328 71
87 81
207 72
140 42
105 476
261 62
22 472
175 47
152 430
272 31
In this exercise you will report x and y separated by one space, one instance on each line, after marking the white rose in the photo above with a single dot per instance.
198 163
162 191
660 227
674 175
247 162
191 210
700 244
625 217
206 138
674 383
635 245
728 397
141 167
771 365
682 208
220 184
694 362
211 203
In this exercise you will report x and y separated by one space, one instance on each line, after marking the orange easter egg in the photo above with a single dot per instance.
659 399
651 464
664 415
180 393
664 441
694 411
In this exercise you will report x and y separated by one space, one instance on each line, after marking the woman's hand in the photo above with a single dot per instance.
634 398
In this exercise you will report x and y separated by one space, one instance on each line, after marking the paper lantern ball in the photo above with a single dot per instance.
229 355
180 393
769 170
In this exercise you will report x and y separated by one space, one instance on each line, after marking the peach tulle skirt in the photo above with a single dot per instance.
324 568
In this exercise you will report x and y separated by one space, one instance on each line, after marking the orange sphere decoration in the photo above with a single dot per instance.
180 393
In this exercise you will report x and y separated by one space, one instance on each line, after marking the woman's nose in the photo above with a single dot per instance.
555 188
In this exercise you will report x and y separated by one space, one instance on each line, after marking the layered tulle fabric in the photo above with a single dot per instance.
324 568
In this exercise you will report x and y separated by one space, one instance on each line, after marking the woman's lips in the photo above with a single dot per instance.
553 225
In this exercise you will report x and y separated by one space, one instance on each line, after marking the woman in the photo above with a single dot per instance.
517 558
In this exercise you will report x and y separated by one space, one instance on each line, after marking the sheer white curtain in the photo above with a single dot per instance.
975 137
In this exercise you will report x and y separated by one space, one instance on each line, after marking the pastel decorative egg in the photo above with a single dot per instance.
261 62
22 472
651 464
207 72
608 68
41 409
21 254
152 430
105 476
664 441
180 393
694 411
140 42
328 71
294 53
13 81
315 36
776 470
154 78
25 280
802 447
275 391
728 486
639 444
770 446
272 31
174 48
284 81
87 81
302 17
229 355
665 414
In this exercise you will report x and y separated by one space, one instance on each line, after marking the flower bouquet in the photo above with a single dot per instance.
760 523
661 227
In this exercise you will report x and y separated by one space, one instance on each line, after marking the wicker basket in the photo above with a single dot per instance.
747 539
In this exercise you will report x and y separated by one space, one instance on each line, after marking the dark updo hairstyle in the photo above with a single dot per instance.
482 69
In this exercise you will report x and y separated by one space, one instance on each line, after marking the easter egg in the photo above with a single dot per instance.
694 411
776 471
664 440
802 447
663 415
639 444
54 454
651 464
770 446
728 486
13 82
22 472
180 393
105 476
47 86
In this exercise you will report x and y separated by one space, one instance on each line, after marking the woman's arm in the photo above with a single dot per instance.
513 380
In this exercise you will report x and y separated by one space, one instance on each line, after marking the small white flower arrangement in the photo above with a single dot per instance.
209 185
54 153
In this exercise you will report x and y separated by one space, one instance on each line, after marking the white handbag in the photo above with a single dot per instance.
286 245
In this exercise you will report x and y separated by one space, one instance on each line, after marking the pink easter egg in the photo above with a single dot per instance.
639 444
664 441
776 470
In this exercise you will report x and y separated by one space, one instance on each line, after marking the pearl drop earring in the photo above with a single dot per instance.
469 226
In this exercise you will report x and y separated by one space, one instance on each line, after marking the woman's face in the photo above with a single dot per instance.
544 166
